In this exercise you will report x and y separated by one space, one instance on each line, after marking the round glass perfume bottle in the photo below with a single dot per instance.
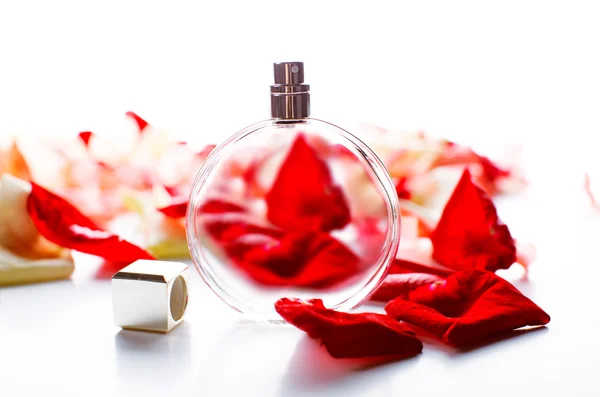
292 207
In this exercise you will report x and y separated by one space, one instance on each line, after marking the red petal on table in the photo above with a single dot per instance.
346 335
141 123
272 256
203 154
85 137
461 155
491 171
178 209
454 154
173 191
216 206
469 234
487 173
303 195
309 259
226 227
175 210
60 222
400 285
467 308
402 189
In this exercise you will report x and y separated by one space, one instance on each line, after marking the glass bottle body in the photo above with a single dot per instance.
292 208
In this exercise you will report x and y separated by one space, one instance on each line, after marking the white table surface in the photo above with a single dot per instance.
58 338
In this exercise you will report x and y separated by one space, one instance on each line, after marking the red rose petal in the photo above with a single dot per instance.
487 173
303 195
402 188
272 256
309 259
60 222
173 191
226 227
85 137
178 209
469 234
217 206
400 285
346 335
141 123
454 154
203 154
175 210
490 171
468 307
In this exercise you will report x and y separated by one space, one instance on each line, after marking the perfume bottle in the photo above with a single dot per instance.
292 207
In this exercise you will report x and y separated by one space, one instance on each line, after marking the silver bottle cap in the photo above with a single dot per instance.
290 97
150 295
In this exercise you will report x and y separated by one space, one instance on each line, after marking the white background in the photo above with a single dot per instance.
484 73
511 71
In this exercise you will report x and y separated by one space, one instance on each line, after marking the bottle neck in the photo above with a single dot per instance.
290 101
291 121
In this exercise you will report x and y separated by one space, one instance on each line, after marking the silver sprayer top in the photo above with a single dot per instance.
290 97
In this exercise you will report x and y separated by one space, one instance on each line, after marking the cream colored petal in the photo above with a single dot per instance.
13 162
18 233
18 270
16 227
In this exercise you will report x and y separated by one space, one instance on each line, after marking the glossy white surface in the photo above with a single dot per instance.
58 338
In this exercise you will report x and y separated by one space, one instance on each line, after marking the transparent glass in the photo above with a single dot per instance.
296 208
